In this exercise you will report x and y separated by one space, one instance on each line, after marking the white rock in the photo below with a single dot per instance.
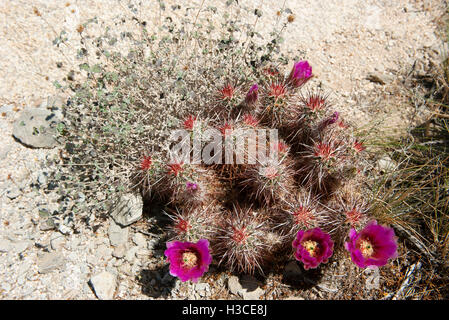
140 240
386 164
104 285
49 262
117 234
128 209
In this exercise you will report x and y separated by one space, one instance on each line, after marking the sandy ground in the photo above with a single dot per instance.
344 41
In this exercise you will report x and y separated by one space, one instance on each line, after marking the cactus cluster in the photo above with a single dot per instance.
251 212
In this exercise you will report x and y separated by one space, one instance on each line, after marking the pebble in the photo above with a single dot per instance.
13 193
119 251
130 255
104 285
35 128
117 234
49 262
140 240
128 209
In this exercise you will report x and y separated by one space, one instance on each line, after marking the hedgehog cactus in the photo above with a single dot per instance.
253 210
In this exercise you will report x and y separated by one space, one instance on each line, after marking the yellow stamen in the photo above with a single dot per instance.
311 247
189 259
366 248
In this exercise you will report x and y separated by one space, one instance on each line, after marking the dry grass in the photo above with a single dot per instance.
415 196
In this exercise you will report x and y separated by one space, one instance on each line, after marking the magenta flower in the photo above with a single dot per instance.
313 247
188 261
372 246
300 73
253 94
191 186
331 120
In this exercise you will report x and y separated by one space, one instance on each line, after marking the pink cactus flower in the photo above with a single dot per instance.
372 246
313 247
191 186
253 94
300 73
188 260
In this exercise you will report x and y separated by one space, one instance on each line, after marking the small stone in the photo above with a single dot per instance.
119 251
49 262
42 178
104 285
202 289
20 246
128 209
143 254
234 285
386 164
117 234
36 128
46 225
57 241
64 229
103 252
13 193
380 78
140 240
130 255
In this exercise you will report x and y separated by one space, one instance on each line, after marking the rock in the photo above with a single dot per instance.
143 254
130 255
140 240
128 209
46 225
202 289
57 241
234 285
117 234
42 178
49 262
119 251
104 285
56 103
13 193
103 252
386 164
247 287
36 128
64 229
20 246
380 78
